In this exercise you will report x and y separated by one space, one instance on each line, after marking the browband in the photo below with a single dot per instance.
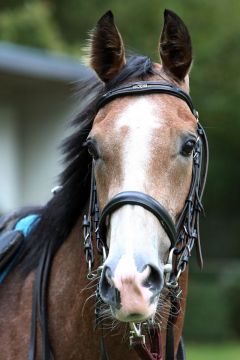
147 87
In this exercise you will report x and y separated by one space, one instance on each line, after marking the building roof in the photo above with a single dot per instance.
26 61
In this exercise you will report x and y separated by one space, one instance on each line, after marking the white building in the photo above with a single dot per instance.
36 100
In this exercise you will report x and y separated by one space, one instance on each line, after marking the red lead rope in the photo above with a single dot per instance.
145 352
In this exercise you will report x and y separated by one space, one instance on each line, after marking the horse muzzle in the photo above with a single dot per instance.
131 294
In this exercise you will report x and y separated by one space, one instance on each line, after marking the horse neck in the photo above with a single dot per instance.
68 293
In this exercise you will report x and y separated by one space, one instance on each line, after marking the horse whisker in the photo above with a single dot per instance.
84 305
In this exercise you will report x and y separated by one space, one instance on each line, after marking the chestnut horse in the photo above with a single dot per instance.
137 149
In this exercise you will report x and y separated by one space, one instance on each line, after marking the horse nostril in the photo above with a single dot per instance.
106 283
153 280
108 292
108 276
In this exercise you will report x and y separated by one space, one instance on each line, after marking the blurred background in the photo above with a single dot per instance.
41 58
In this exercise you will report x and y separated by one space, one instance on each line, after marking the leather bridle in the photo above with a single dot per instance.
188 222
182 235
139 199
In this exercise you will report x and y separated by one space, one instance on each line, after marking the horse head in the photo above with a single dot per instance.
142 145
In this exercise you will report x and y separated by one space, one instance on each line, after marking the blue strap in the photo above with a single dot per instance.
24 225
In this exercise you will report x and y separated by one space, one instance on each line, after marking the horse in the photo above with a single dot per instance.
105 261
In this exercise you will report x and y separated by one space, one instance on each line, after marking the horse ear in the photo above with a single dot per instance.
175 46
107 49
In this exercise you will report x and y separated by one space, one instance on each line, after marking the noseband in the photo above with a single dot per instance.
185 232
140 199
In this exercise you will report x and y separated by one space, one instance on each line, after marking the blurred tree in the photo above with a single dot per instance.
30 24
6 4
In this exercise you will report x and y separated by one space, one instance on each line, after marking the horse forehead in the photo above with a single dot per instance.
141 114
140 119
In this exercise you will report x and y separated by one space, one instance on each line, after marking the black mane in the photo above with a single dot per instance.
61 213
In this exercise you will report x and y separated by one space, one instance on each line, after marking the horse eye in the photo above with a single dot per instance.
188 147
92 149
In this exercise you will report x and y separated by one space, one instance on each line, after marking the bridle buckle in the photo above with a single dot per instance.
136 335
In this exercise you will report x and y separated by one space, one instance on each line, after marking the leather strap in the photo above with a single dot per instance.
146 87
181 355
39 307
10 242
139 199
169 355
154 350
103 351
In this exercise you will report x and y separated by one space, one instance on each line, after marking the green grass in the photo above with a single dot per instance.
218 351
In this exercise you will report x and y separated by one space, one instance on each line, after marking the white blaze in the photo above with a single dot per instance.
141 121
132 228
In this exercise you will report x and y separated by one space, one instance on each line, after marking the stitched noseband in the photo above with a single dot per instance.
140 199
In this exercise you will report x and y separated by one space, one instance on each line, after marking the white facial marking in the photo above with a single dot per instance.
141 122
134 230
134 296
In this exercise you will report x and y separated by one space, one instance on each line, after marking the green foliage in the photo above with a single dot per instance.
219 351
232 283
213 302
30 25
207 312
10 4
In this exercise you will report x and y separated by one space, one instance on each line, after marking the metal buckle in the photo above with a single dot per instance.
135 334
104 254
93 273
168 267
170 279
196 114
56 189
